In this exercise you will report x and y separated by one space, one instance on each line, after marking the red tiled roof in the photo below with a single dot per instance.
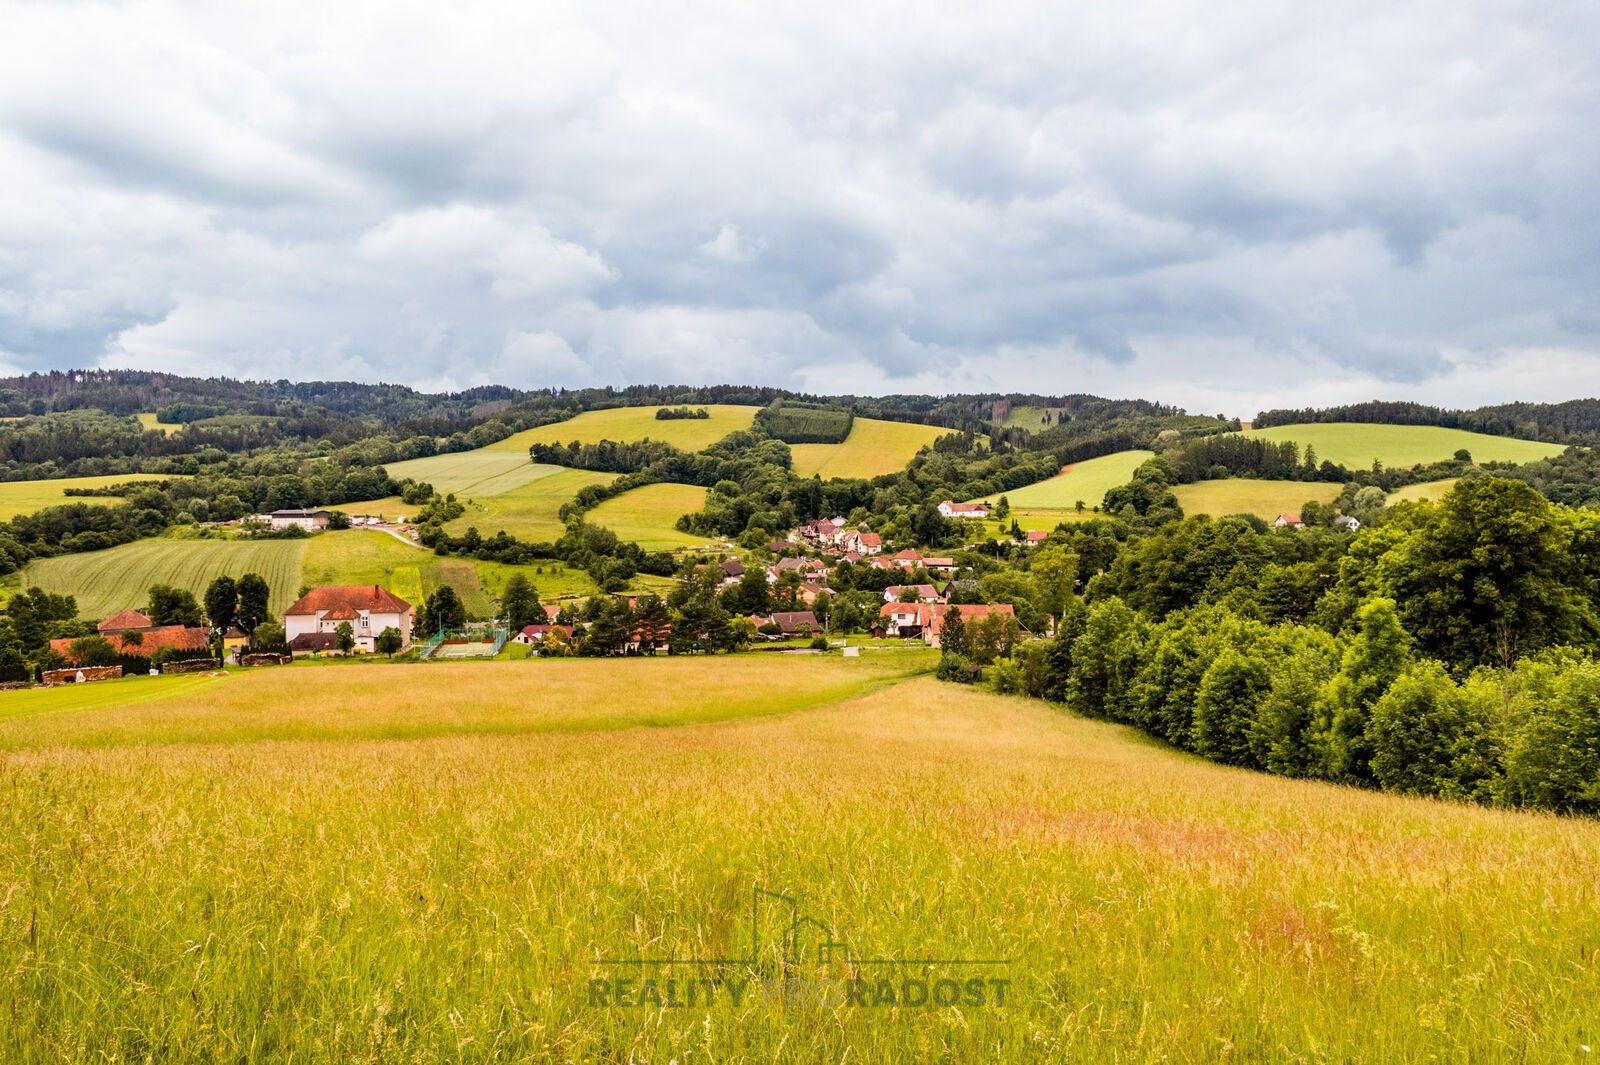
178 637
124 619
340 613
971 612
369 597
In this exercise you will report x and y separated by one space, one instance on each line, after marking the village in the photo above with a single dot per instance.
780 597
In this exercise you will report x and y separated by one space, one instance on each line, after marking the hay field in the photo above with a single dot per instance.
531 510
1250 495
626 424
1356 445
118 577
647 515
873 448
394 871
1428 490
25 497
150 420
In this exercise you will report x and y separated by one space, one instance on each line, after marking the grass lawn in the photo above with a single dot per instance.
647 515
1427 490
873 448
1248 495
1089 481
105 582
25 497
1355 446
529 511
426 863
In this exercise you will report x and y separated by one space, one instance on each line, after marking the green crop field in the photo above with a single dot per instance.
1356 445
25 497
481 472
873 448
434 863
105 582
648 515
529 511
1248 495
1426 491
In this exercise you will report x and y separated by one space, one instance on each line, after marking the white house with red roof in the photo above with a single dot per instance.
1289 521
964 510
369 608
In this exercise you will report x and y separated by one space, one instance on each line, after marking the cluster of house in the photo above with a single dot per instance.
310 625
1293 521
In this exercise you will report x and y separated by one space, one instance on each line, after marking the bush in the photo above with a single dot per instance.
819 643
1005 677
957 670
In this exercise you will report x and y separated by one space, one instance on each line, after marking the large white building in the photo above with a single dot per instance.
369 608
309 520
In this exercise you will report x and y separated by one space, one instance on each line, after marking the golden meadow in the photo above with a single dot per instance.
366 863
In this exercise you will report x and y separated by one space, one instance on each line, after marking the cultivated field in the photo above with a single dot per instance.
25 497
1249 495
1428 490
1356 445
531 510
647 515
873 448
107 581
1045 504
476 473
198 869
625 424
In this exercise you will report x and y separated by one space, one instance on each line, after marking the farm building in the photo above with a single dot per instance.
964 510
309 520
124 621
142 643
368 608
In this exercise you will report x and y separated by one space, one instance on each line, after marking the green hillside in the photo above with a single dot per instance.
1249 495
1356 445
873 448
105 582
648 515
25 497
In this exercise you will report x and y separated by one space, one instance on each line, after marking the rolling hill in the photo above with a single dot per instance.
25 497
1249 495
648 515
107 581
873 448
1355 445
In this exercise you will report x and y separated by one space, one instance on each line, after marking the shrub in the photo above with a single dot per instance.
957 670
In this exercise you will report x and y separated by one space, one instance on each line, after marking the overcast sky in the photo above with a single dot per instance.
1221 206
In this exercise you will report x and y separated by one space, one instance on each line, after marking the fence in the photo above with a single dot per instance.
81 674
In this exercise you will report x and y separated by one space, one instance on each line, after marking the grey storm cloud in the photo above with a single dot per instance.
1226 208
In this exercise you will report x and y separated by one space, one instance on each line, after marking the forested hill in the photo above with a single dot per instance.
1576 421
328 407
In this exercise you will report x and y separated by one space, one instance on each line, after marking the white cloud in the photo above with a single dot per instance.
1220 208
